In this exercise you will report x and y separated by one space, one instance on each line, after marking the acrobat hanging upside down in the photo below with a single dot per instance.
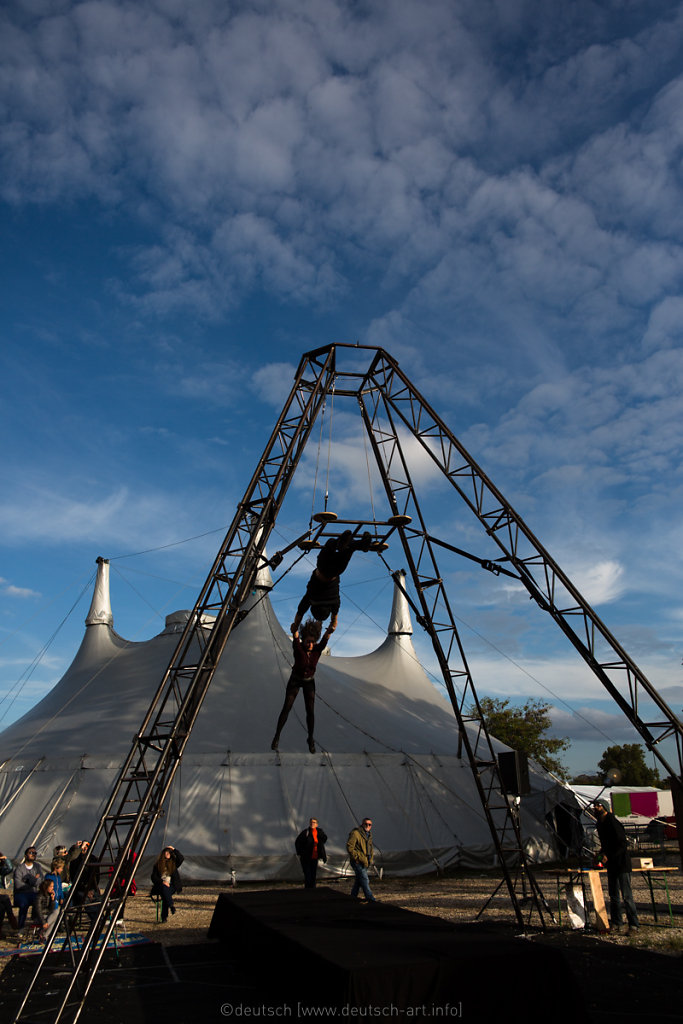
322 590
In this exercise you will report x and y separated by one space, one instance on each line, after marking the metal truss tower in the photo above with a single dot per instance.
392 410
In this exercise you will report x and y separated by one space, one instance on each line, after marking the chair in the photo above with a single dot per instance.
156 899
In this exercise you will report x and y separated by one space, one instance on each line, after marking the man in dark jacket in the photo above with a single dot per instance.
614 853
27 878
85 879
310 848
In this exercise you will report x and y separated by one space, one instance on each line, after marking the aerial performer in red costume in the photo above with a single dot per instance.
307 650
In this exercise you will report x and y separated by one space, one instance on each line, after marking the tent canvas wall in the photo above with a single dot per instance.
387 746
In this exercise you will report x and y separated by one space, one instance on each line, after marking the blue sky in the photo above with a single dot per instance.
192 196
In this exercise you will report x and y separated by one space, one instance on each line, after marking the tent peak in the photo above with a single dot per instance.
100 613
264 579
400 623
176 621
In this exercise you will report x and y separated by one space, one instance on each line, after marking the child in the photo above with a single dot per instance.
55 876
46 909
307 651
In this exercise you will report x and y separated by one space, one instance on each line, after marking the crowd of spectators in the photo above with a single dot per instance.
42 892
27 887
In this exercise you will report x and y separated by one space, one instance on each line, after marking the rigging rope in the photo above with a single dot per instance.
410 759
317 459
408 817
81 689
329 450
28 672
438 681
171 544
367 463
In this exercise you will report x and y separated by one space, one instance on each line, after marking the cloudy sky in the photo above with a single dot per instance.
194 195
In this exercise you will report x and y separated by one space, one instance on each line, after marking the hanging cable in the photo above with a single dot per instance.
367 463
407 816
317 459
144 600
39 611
171 544
26 675
329 450
439 681
74 696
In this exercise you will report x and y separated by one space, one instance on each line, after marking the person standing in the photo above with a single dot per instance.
360 851
74 861
614 853
310 848
86 884
166 879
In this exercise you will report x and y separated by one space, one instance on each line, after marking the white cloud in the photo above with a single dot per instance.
292 126
589 723
599 582
665 325
120 517
10 590
673 695
274 382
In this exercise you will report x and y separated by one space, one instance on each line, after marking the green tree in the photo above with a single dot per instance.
630 760
526 729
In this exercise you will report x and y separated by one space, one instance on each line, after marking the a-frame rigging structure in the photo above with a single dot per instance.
391 409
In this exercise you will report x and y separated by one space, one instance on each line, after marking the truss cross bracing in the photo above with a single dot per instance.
391 409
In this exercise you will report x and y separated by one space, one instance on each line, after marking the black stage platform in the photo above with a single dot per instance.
325 949
214 982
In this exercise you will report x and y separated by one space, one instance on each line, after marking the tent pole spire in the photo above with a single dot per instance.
100 607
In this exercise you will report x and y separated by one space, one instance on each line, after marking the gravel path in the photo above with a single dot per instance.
453 899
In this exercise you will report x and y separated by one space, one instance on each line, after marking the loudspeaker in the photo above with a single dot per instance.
514 772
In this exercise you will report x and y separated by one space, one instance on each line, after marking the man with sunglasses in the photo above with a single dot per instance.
360 851
27 879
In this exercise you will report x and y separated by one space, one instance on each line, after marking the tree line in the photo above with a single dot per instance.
527 729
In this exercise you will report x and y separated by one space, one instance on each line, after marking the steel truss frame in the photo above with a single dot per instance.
545 581
387 401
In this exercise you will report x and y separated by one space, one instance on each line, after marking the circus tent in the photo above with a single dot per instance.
387 745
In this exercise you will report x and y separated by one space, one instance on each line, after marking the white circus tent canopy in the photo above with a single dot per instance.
387 746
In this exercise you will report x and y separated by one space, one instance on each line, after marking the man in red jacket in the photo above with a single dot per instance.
310 848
